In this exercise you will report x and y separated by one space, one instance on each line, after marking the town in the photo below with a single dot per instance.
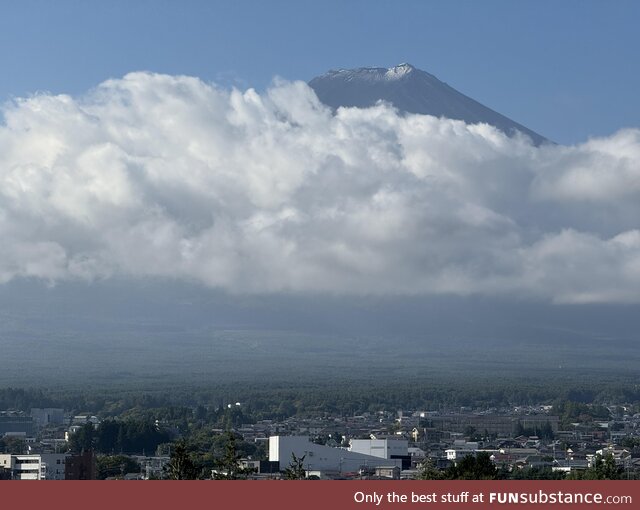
564 440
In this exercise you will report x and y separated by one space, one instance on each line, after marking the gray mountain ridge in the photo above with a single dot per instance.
410 90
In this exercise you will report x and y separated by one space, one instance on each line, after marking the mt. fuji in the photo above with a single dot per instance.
410 90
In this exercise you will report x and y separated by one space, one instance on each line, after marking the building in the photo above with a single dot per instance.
81 467
16 422
501 425
45 466
47 416
152 467
388 448
391 472
460 449
323 458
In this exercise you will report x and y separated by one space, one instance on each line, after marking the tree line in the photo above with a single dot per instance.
114 436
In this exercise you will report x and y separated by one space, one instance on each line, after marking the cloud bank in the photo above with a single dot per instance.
166 176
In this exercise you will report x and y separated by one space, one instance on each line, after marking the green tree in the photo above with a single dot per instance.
296 470
181 465
473 467
469 431
536 473
429 471
83 439
228 466
128 436
14 445
604 468
116 465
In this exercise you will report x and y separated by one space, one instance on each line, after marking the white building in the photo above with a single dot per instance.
45 466
460 449
322 458
390 448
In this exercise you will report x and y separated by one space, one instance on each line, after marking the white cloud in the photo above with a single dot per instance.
167 176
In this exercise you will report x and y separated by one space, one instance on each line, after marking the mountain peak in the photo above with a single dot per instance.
372 73
410 90
399 71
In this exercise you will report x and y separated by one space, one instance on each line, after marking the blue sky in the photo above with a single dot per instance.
161 175
567 70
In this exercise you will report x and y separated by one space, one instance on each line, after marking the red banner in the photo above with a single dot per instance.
311 495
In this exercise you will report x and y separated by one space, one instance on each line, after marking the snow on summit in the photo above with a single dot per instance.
410 90
394 73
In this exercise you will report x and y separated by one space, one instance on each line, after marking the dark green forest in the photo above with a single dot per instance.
280 399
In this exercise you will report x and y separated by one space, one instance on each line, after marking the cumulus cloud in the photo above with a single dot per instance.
166 176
